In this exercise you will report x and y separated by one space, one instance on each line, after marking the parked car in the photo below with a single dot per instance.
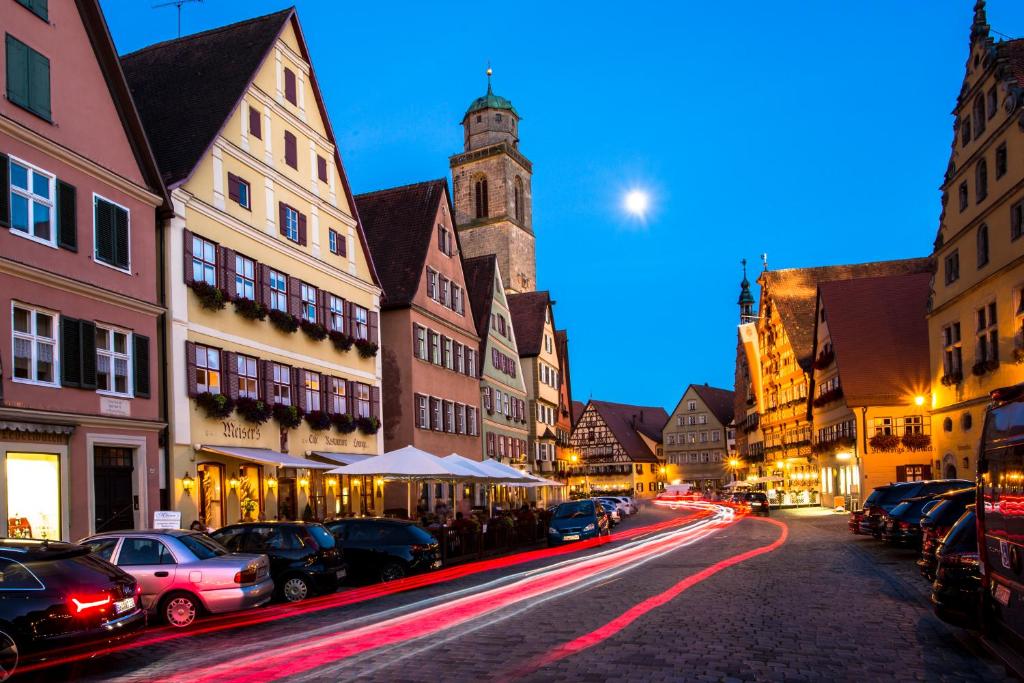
936 524
577 520
621 506
183 574
1000 510
902 525
58 600
610 510
956 592
892 495
385 549
750 502
304 558
630 503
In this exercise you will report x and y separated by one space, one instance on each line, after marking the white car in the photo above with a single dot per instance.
630 503
621 506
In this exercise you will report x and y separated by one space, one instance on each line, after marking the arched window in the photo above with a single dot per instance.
981 181
979 116
518 191
481 197
982 238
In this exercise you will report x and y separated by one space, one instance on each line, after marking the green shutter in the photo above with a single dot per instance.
39 84
37 7
67 222
121 251
103 222
70 352
5 191
140 358
17 72
88 354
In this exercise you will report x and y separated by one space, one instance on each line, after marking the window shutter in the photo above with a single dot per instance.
140 371
294 296
267 368
255 122
350 319
901 472
187 250
323 301
227 270
415 342
298 389
67 222
122 253
70 352
321 168
926 472
325 394
487 399
290 154
5 191
233 193
342 243
375 402
372 325
230 374
490 444
350 397
264 283
190 369
281 219
302 229
289 86
88 354
39 84
104 226
17 72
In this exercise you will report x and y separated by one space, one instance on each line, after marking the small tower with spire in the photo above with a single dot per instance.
746 302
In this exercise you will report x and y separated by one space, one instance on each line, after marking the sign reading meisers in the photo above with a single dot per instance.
166 519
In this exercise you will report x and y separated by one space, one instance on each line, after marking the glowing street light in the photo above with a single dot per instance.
919 400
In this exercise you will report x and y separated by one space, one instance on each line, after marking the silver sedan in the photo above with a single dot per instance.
185 573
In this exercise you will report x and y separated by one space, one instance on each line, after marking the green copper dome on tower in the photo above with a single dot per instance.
490 100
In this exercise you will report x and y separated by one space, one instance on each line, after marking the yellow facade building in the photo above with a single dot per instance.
271 351
976 317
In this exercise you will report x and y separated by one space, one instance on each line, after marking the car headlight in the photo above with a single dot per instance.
589 527
553 532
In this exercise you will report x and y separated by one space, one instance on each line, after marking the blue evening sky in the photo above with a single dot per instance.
817 132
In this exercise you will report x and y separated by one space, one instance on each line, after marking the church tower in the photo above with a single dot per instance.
746 301
491 183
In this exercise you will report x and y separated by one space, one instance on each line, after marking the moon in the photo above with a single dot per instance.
637 202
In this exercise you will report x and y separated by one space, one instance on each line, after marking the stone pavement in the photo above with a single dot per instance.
825 606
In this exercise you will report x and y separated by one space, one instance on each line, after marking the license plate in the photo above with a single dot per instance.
340 574
436 564
1002 595
571 537
124 605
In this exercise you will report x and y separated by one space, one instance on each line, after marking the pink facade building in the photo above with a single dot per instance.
80 396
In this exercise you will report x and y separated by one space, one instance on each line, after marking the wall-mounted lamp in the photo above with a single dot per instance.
233 482
304 482
187 482
271 482
332 482
356 482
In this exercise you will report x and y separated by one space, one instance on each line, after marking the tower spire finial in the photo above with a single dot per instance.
980 25
490 71
744 262
746 301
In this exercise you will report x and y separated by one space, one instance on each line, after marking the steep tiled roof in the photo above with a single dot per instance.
577 411
718 401
528 309
479 273
186 88
794 293
399 223
879 337
627 422
1013 52
562 344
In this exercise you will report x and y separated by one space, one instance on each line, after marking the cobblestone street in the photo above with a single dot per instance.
824 605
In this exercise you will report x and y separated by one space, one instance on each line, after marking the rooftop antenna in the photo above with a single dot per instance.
178 4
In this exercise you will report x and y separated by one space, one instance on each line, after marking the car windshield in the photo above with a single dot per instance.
579 508
323 537
202 546
963 537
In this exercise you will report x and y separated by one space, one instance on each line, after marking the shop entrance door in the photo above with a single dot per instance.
112 486
287 501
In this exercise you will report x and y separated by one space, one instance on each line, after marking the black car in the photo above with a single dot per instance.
385 549
885 498
937 523
304 557
59 600
956 592
902 524
752 502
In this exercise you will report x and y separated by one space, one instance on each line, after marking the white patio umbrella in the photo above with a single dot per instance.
483 473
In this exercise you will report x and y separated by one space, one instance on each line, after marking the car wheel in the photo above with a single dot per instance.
8 656
179 609
392 571
295 589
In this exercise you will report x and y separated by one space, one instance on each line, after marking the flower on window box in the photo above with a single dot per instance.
979 368
318 420
341 341
252 410
217 406
210 296
917 442
343 422
884 442
992 364
284 321
314 331
368 425
367 348
952 378
247 308
289 417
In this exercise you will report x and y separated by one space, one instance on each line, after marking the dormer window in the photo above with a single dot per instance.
497 117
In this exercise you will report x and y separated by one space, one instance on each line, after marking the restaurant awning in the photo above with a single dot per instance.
341 458
265 456
408 463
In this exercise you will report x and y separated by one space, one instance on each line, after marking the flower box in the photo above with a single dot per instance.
216 406
885 442
343 423
318 420
368 425
289 417
952 378
917 442
367 348
314 331
284 321
252 310
341 341
252 410
210 297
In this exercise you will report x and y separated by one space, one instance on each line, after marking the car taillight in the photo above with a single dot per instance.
247 575
903 525
966 559
79 604
419 547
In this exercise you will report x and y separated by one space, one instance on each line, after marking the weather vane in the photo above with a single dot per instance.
764 260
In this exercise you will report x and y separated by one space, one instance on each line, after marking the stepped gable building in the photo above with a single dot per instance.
80 392
430 340
871 385
779 350
619 450
272 333
696 438
491 181
505 418
976 314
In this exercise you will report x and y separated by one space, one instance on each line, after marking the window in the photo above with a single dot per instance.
337 321
34 346
143 551
446 354
432 283
449 417
965 131
281 379
238 190
517 189
1000 161
308 295
336 243
460 359
964 197
1017 220
254 123
480 194
981 181
435 414
435 348
111 233
290 223
289 86
422 413
204 261
992 105
32 202
339 404
112 361
321 168
952 267
444 240
457 305
245 277
207 369
470 362
419 335
311 386
716 435
471 423
36 7
291 156
360 317
28 78
248 379
278 291
691 406
952 358
982 240
460 418
988 334
445 299
362 399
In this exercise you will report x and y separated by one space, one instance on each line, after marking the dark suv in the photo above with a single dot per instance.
304 558
885 498
58 599
751 502
385 549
